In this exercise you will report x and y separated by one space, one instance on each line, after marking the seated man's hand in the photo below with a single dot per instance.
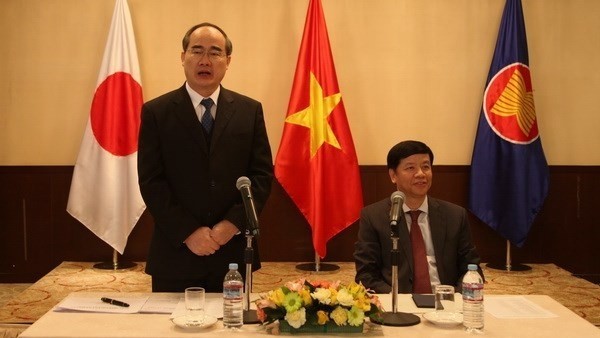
201 243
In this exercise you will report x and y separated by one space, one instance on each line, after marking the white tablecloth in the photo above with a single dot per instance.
102 325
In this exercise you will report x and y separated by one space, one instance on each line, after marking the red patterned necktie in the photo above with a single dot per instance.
421 282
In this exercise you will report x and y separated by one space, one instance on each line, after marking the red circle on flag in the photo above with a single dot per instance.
508 105
115 114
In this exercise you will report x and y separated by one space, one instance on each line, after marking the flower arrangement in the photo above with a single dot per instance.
318 303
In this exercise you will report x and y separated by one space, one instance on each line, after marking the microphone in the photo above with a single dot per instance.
397 199
243 185
395 318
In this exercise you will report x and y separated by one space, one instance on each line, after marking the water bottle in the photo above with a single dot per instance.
233 307
472 293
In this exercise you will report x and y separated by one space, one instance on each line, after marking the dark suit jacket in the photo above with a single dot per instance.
187 185
451 238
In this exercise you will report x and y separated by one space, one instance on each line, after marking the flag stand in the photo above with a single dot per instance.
508 266
115 264
317 266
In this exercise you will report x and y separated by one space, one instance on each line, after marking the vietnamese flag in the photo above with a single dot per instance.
316 163
104 194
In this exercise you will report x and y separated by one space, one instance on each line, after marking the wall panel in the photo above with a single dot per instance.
565 232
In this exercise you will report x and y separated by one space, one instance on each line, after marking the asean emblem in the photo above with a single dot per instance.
508 105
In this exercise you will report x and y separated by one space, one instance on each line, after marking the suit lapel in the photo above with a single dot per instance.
225 111
185 112
404 242
437 226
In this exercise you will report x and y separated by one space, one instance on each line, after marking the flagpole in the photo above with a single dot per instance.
508 265
115 264
317 266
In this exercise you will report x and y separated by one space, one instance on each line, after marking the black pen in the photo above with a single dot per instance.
114 302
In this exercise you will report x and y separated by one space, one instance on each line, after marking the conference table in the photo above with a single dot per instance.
553 320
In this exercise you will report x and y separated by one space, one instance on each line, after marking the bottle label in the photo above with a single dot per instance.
233 290
472 291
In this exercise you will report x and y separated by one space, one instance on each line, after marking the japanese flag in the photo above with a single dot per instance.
104 194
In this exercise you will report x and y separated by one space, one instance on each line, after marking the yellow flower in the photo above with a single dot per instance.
339 316
306 298
362 302
276 296
322 317
333 296
355 289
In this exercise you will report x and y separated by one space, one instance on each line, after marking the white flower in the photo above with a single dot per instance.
322 295
296 318
345 298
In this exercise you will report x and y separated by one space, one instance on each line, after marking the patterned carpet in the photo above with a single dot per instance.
32 302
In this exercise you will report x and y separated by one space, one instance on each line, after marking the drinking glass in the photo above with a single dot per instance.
194 305
444 301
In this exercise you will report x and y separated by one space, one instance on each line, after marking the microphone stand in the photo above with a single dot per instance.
250 316
243 185
395 318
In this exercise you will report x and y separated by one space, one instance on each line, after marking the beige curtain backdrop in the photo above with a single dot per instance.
407 69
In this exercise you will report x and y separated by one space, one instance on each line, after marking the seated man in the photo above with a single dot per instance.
445 248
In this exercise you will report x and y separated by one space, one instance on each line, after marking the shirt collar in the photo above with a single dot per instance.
196 98
424 207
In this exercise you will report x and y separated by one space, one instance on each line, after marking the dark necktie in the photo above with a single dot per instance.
421 282
207 119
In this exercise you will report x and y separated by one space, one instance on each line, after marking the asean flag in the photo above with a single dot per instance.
316 163
104 193
509 172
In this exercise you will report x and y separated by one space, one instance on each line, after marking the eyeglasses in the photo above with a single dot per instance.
213 54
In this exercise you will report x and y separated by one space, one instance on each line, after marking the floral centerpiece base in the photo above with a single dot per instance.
284 327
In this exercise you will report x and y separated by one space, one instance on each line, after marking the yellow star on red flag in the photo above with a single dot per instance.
315 116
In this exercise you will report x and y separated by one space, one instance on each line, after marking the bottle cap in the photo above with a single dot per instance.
470 267
233 266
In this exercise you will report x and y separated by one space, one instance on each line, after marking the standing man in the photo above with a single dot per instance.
444 229
194 143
